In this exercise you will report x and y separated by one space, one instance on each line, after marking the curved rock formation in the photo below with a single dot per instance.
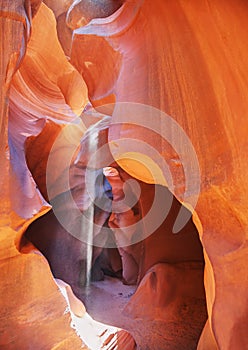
32 307
37 98
60 8
82 12
26 277
46 93
149 61
164 57
174 294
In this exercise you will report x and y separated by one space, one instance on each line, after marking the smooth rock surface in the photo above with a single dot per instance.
164 57
188 60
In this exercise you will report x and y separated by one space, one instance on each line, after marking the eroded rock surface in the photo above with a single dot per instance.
157 54
174 294
191 73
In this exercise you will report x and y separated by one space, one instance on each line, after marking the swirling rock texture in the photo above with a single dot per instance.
32 309
40 94
186 59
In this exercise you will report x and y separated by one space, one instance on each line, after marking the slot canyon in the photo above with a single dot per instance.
123 162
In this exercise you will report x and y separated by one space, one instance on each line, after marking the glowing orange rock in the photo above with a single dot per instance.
32 306
30 302
173 294
188 60
37 98
157 54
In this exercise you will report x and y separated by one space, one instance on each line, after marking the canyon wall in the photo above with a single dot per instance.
174 78
188 60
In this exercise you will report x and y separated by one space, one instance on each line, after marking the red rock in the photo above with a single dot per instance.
27 113
174 294
32 307
82 12
125 224
164 287
187 59
165 57
60 9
